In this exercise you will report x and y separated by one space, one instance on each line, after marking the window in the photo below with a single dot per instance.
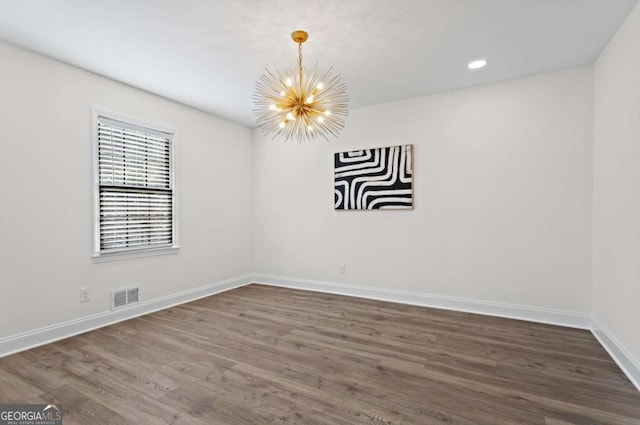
135 202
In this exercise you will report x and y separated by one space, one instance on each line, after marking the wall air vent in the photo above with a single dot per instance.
123 297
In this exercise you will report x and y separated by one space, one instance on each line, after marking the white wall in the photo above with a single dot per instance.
502 192
46 207
616 220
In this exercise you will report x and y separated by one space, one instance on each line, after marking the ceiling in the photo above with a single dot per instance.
209 53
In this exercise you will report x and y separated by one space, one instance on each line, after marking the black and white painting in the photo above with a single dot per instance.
373 179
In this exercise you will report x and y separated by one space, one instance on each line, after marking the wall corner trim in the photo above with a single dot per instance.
24 341
629 365
510 311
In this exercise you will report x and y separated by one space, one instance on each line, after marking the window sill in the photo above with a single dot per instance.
126 255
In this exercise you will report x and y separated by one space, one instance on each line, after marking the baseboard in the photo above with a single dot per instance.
510 311
629 365
27 340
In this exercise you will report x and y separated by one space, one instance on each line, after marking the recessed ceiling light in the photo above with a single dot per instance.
477 64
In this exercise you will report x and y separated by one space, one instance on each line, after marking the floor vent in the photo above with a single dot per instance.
123 297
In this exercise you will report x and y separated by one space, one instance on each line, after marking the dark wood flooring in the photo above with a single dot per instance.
262 355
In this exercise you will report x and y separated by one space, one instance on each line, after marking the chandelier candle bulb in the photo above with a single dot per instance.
302 103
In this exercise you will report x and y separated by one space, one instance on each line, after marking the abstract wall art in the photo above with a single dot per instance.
373 179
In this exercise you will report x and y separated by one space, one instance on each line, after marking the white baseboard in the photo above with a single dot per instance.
629 365
510 311
27 340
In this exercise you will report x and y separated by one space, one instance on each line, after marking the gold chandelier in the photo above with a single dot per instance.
300 103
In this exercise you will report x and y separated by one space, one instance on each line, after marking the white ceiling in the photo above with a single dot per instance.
208 53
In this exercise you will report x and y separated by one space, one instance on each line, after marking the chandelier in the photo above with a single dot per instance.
300 103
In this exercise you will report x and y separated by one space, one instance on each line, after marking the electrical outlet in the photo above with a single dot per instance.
342 268
84 295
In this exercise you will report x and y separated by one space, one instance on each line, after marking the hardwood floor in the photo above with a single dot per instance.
262 355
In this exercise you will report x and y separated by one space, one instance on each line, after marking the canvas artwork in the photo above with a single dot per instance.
373 179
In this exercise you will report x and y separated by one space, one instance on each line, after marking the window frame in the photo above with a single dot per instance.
98 254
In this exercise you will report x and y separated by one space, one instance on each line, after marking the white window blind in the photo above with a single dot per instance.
135 185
